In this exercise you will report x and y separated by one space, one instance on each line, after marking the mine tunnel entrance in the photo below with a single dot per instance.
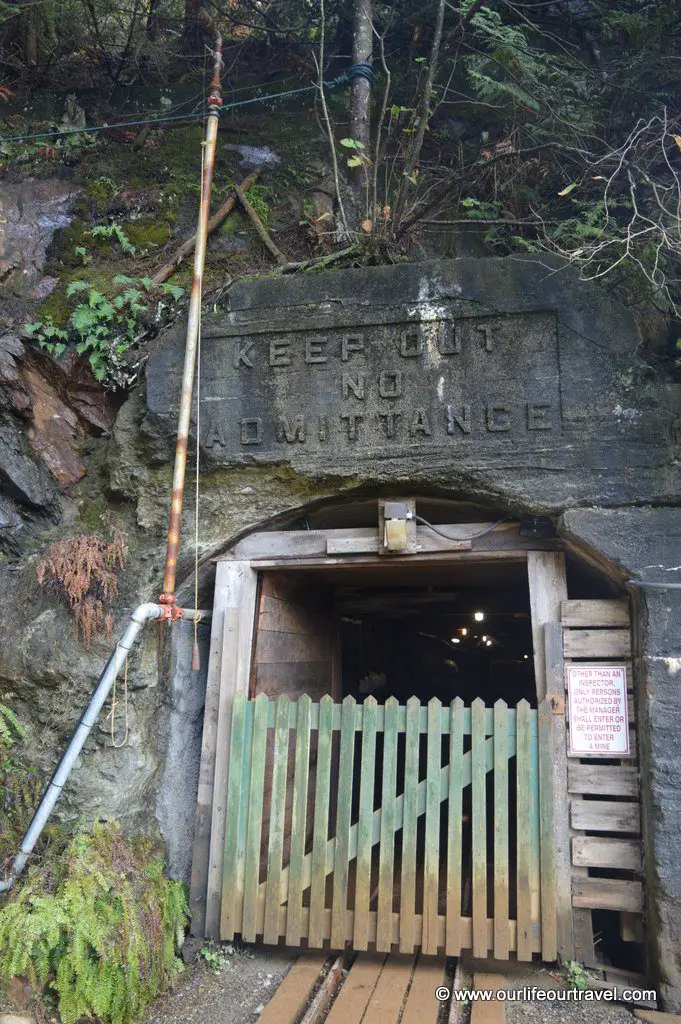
389 760
463 631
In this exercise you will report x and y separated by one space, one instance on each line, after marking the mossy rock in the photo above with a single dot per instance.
148 232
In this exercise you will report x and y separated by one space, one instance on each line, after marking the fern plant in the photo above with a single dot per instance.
11 728
102 936
105 326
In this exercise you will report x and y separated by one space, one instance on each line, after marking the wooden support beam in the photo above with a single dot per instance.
237 583
548 588
290 545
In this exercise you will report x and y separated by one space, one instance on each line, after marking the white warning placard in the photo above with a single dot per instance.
597 704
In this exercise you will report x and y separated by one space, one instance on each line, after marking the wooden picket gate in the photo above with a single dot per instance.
443 840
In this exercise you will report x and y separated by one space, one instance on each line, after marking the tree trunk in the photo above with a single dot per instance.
152 19
422 118
33 16
360 110
192 33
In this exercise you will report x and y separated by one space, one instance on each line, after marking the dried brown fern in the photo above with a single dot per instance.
84 571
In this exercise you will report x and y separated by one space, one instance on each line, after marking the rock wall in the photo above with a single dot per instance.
500 381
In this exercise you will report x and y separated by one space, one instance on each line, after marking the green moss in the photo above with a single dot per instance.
148 232
237 221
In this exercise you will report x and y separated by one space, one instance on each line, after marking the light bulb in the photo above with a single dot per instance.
489 643
455 640
464 631
479 616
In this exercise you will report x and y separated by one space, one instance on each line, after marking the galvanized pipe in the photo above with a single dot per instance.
139 617
167 598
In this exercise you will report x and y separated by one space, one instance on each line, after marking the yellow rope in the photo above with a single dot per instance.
198 461
114 705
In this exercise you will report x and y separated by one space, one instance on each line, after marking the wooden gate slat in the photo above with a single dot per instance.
275 896
501 830
535 826
364 825
339 905
316 931
234 792
479 828
454 830
386 854
547 723
524 829
299 822
431 858
409 825
249 920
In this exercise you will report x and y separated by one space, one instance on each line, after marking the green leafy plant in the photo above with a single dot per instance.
48 335
114 230
106 325
100 929
575 974
217 957
359 158
11 728
260 198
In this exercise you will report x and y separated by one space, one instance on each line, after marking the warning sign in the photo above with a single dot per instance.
599 722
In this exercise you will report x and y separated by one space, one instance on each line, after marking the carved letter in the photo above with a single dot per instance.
389 420
461 419
242 354
279 353
291 432
411 342
351 421
449 338
351 343
498 418
486 329
214 435
251 431
420 424
314 352
356 386
390 384
537 417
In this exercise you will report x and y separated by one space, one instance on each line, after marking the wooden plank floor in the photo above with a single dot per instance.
378 989
288 1001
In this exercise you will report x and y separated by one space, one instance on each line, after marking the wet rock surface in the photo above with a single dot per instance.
30 212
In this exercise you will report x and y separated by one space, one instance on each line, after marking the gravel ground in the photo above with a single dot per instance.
568 1013
540 1012
236 994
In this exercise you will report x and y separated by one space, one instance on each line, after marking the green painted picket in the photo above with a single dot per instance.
310 856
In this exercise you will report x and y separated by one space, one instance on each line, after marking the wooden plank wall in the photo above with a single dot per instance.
294 655
294 639
605 819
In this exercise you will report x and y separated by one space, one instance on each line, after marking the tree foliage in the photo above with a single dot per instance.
555 123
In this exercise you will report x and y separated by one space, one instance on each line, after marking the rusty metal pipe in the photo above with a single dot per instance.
167 598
